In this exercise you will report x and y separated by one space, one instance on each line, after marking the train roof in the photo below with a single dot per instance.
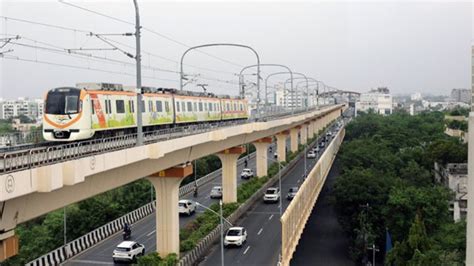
146 89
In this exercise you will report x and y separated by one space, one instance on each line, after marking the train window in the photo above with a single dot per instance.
120 106
143 106
106 106
150 106
159 107
190 107
210 107
132 106
205 106
183 106
195 109
241 107
92 105
72 104
228 107
200 107
235 107
177 107
167 107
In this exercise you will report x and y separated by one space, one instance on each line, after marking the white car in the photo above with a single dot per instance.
216 192
246 173
311 155
275 155
128 251
316 149
235 236
186 207
271 195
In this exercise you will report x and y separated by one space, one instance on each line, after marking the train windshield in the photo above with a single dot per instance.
63 101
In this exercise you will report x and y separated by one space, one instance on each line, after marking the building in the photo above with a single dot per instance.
416 96
22 106
454 176
461 95
378 100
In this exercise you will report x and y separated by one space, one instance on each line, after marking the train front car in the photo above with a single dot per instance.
64 118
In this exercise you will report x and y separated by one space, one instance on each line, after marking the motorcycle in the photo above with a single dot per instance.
126 234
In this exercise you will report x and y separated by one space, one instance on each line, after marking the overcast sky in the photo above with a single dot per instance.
406 46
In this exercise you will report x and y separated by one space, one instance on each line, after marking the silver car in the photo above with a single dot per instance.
216 192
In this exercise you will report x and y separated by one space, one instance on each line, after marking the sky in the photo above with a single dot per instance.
350 45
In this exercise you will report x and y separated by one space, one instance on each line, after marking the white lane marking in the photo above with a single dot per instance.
271 216
151 233
92 262
260 231
247 249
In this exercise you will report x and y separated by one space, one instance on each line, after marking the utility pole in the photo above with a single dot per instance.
222 233
374 249
139 76
65 227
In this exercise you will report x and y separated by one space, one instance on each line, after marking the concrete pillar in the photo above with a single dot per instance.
261 146
310 129
294 139
304 133
229 159
281 145
166 185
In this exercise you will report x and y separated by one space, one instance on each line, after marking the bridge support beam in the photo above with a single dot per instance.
281 145
261 146
294 138
166 184
229 159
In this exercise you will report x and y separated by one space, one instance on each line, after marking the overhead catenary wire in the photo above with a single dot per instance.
8 57
149 30
87 32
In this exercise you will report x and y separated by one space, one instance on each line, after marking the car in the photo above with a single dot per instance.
292 193
271 195
128 251
316 149
275 155
186 207
311 155
235 236
328 134
321 144
246 173
216 192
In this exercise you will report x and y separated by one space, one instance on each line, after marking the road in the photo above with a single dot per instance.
323 241
263 226
143 231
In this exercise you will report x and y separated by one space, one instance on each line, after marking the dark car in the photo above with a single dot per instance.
292 193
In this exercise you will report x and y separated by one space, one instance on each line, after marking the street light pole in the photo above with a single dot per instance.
139 76
65 226
222 234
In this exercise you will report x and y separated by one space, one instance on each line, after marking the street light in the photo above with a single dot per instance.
222 225
139 76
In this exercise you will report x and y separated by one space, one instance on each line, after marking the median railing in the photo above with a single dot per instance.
297 213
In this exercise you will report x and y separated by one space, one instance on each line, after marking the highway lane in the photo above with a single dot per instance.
144 230
263 227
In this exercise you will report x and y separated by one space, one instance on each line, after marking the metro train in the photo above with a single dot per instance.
94 110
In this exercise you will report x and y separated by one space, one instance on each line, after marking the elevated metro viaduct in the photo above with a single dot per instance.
27 194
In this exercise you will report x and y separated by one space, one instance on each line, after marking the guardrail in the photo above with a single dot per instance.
297 213
26 159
